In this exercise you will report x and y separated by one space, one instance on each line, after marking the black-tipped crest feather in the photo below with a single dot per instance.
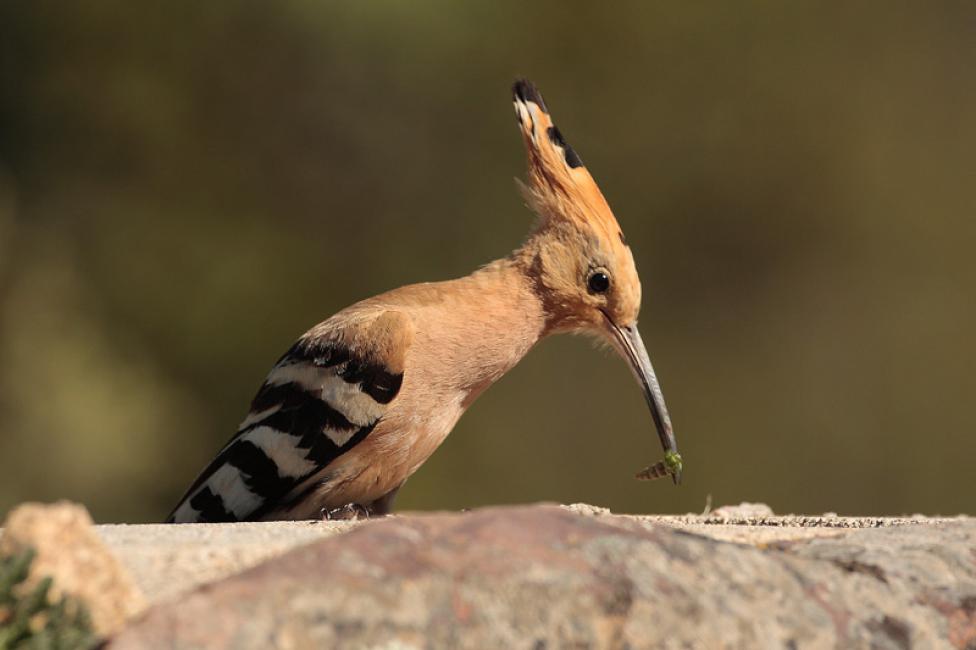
524 90
572 158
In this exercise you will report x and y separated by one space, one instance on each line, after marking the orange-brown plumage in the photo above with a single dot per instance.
467 334
385 380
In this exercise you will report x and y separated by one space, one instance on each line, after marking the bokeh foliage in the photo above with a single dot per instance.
32 619
185 187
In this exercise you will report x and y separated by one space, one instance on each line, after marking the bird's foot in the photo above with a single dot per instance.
348 512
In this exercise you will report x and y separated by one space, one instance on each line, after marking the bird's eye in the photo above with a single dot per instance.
598 282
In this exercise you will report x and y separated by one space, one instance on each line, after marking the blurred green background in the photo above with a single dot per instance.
186 187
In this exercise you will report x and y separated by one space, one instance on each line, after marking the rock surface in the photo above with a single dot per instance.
167 560
545 577
69 550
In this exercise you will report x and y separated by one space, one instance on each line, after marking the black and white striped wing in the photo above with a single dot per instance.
319 401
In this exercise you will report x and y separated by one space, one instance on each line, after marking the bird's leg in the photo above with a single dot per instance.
355 511
348 512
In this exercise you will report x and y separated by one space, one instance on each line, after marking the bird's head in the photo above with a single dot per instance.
581 264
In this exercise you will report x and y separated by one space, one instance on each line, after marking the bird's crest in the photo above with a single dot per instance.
559 185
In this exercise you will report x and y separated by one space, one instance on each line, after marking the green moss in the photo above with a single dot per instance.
30 620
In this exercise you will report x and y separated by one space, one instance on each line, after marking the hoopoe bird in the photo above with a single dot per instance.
362 399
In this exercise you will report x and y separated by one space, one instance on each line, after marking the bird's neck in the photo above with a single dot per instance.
497 318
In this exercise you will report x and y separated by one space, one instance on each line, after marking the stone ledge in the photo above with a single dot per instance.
527 576
545 577
167 560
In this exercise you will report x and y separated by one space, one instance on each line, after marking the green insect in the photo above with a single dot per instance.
670 466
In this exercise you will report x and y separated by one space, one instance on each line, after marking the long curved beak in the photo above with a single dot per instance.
631 347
